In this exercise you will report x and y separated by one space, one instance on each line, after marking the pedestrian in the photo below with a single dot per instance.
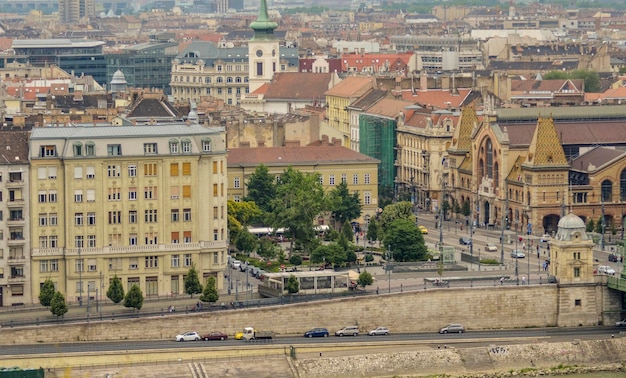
501 280
523 280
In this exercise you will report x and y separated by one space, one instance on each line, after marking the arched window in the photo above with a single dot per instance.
90 149
481 169
489 159
622 186
238 79
220 79
186 146
496 176
229 79
174 146
78 149
207 80
607 189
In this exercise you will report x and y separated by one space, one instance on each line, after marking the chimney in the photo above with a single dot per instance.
423 81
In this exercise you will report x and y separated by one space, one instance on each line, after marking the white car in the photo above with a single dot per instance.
188 336
517 254
545 238
621 323
605 269
384 331
235 264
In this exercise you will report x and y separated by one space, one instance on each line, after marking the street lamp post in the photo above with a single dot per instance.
516 259
80 279
388 268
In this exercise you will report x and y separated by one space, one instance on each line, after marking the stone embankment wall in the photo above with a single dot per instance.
494 361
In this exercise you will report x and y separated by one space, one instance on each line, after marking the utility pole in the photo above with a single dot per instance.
504 217
603 226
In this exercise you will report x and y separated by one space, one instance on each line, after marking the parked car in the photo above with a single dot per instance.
317 332
453 328
613 257
214 336
422 229
379 331
605 269
545 238
348 331
490 247
235 264
517 254
188 336
465 241
621 323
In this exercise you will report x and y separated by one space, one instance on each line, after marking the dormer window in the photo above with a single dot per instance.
47 151
206 145
78 149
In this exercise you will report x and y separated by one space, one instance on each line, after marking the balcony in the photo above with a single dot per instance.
15 203
14 184
17 279
16 222
16 240
13 260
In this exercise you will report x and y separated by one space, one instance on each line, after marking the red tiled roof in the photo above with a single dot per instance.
5 43
298 85
352 86
391 62
283 156
387 107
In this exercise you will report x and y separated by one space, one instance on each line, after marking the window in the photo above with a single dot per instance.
91 219
115 217
367 198
175 215
78 149
607 191
355 179
186 144
132 264
175 237
90 149
52 196
152 261
237 183
173 146
52 173
150 216
576 271
91 241
321 179
151 238
174 169
149 192
43 219
91 172
215 190
150 169
175 261
78 172
113 171
115 194
237 198
187 259
114 149
214 212
132 216
78 195
47 151
344 178
132 239
53 219
149 148
132 194
331 180
366 178
79 241
206 145
187 237
78 219
132 170
186 169
186 191
186 215
91 195
43 266
43 242
53 240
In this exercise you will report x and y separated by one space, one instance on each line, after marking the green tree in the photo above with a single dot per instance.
599 226
293 286
590 78
445 207
134 298
240 215
299 200
407 243
344 206
329 253
47 292
267 248
192 282
590 226
246 242
365 279
457 209
466 210
58 306
295 259
400 210
346 232
210 291
261 188
373 230
115 292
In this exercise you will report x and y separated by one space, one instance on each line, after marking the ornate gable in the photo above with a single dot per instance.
545 148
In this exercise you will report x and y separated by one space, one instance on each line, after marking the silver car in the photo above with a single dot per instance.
348 331
380 331
517 254
188 336
621 323
453 328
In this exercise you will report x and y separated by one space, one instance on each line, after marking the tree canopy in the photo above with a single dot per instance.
134 298
210 293
400 210
293 286
58 306
261 188
192 282
591 78
47 292
116 291
345 206
405 241
365 279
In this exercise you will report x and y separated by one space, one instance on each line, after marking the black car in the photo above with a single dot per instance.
613 257
465 241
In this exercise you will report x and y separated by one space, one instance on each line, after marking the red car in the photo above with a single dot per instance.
214 336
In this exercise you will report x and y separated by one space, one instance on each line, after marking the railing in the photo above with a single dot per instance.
616 282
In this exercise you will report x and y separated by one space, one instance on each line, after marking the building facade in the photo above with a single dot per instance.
15 245
143 203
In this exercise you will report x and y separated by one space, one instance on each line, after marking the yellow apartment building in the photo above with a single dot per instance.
334 164
145 203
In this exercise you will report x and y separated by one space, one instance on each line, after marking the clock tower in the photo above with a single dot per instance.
263 55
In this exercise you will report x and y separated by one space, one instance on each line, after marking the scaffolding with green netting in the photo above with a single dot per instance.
377 139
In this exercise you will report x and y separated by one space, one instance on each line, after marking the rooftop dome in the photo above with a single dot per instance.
571 227
118 78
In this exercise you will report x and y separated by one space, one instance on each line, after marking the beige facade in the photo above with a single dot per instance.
145 203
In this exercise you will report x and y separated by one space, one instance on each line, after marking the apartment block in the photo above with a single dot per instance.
133 201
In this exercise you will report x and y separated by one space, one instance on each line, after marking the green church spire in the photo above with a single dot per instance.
263 26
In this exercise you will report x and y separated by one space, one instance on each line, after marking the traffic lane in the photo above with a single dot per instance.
434 337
